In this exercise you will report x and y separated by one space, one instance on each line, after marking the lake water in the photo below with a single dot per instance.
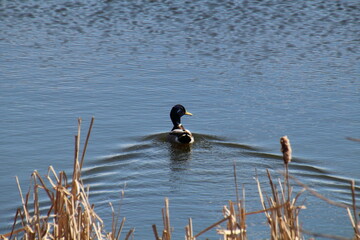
249 71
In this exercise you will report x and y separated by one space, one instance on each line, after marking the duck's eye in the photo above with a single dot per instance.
179 111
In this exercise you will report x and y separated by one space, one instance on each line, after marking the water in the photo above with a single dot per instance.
250 72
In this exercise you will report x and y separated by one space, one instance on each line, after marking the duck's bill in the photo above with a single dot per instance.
188 113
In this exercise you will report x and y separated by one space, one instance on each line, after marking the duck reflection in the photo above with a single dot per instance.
180 155
179 165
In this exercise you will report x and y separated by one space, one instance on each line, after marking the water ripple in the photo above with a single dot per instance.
255 31
147 162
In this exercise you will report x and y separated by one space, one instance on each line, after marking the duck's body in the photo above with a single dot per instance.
178 133
181 136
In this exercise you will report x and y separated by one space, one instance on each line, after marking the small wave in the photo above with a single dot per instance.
118 157
161 137
149 162
238 145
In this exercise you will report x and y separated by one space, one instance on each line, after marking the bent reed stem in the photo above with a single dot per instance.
71 216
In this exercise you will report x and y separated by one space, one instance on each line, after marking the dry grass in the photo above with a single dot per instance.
281 210
70 215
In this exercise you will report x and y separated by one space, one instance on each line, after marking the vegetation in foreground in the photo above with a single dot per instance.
71 216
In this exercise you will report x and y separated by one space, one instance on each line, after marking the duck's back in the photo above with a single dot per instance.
180 136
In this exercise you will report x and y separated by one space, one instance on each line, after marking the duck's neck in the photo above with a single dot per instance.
175 118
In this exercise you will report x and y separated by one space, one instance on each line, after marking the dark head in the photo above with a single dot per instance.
176 113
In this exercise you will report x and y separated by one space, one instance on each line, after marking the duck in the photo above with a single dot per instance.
178 133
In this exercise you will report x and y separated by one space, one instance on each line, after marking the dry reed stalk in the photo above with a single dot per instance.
353 139
167 219
282 213
155 232
130 233
115 232
241 207
292 216
70 215
86 142
318 195
236 219
356 224
352 216
166 233
212 226
189 231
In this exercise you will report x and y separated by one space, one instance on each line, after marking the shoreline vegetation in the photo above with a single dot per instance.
71 215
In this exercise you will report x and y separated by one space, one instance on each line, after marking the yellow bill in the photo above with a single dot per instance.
188 113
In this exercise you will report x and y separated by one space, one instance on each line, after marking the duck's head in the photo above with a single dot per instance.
176 113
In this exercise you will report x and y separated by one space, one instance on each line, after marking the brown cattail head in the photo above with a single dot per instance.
286 149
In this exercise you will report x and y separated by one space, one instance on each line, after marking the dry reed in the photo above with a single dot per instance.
281 210
71 216
166 233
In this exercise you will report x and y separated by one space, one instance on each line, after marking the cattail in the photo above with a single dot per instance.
286 149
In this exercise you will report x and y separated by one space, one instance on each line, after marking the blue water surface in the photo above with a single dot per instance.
249 71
